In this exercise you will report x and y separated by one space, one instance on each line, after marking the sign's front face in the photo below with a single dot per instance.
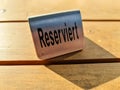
57 34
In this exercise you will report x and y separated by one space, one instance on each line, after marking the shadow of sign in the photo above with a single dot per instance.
91 75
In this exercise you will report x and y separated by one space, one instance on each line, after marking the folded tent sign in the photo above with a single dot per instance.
57 34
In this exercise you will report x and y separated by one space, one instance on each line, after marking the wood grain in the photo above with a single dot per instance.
113 84
16 42
32 78
102 35
90 76
90 10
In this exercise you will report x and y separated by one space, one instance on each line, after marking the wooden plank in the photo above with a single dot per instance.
104 76
91 10
105 35
113 84
57 77
101 41
13 10
32 78
16 41
109 85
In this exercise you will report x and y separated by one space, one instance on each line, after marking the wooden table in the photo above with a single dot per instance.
102 34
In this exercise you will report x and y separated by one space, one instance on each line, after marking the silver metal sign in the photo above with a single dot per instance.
57 34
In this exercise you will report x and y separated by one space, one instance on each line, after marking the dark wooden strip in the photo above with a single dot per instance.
59 62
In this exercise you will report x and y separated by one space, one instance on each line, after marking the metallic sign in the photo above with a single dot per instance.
57 34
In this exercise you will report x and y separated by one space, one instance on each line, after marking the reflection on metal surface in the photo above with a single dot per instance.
57 34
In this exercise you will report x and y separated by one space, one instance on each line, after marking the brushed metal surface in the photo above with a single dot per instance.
57 34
